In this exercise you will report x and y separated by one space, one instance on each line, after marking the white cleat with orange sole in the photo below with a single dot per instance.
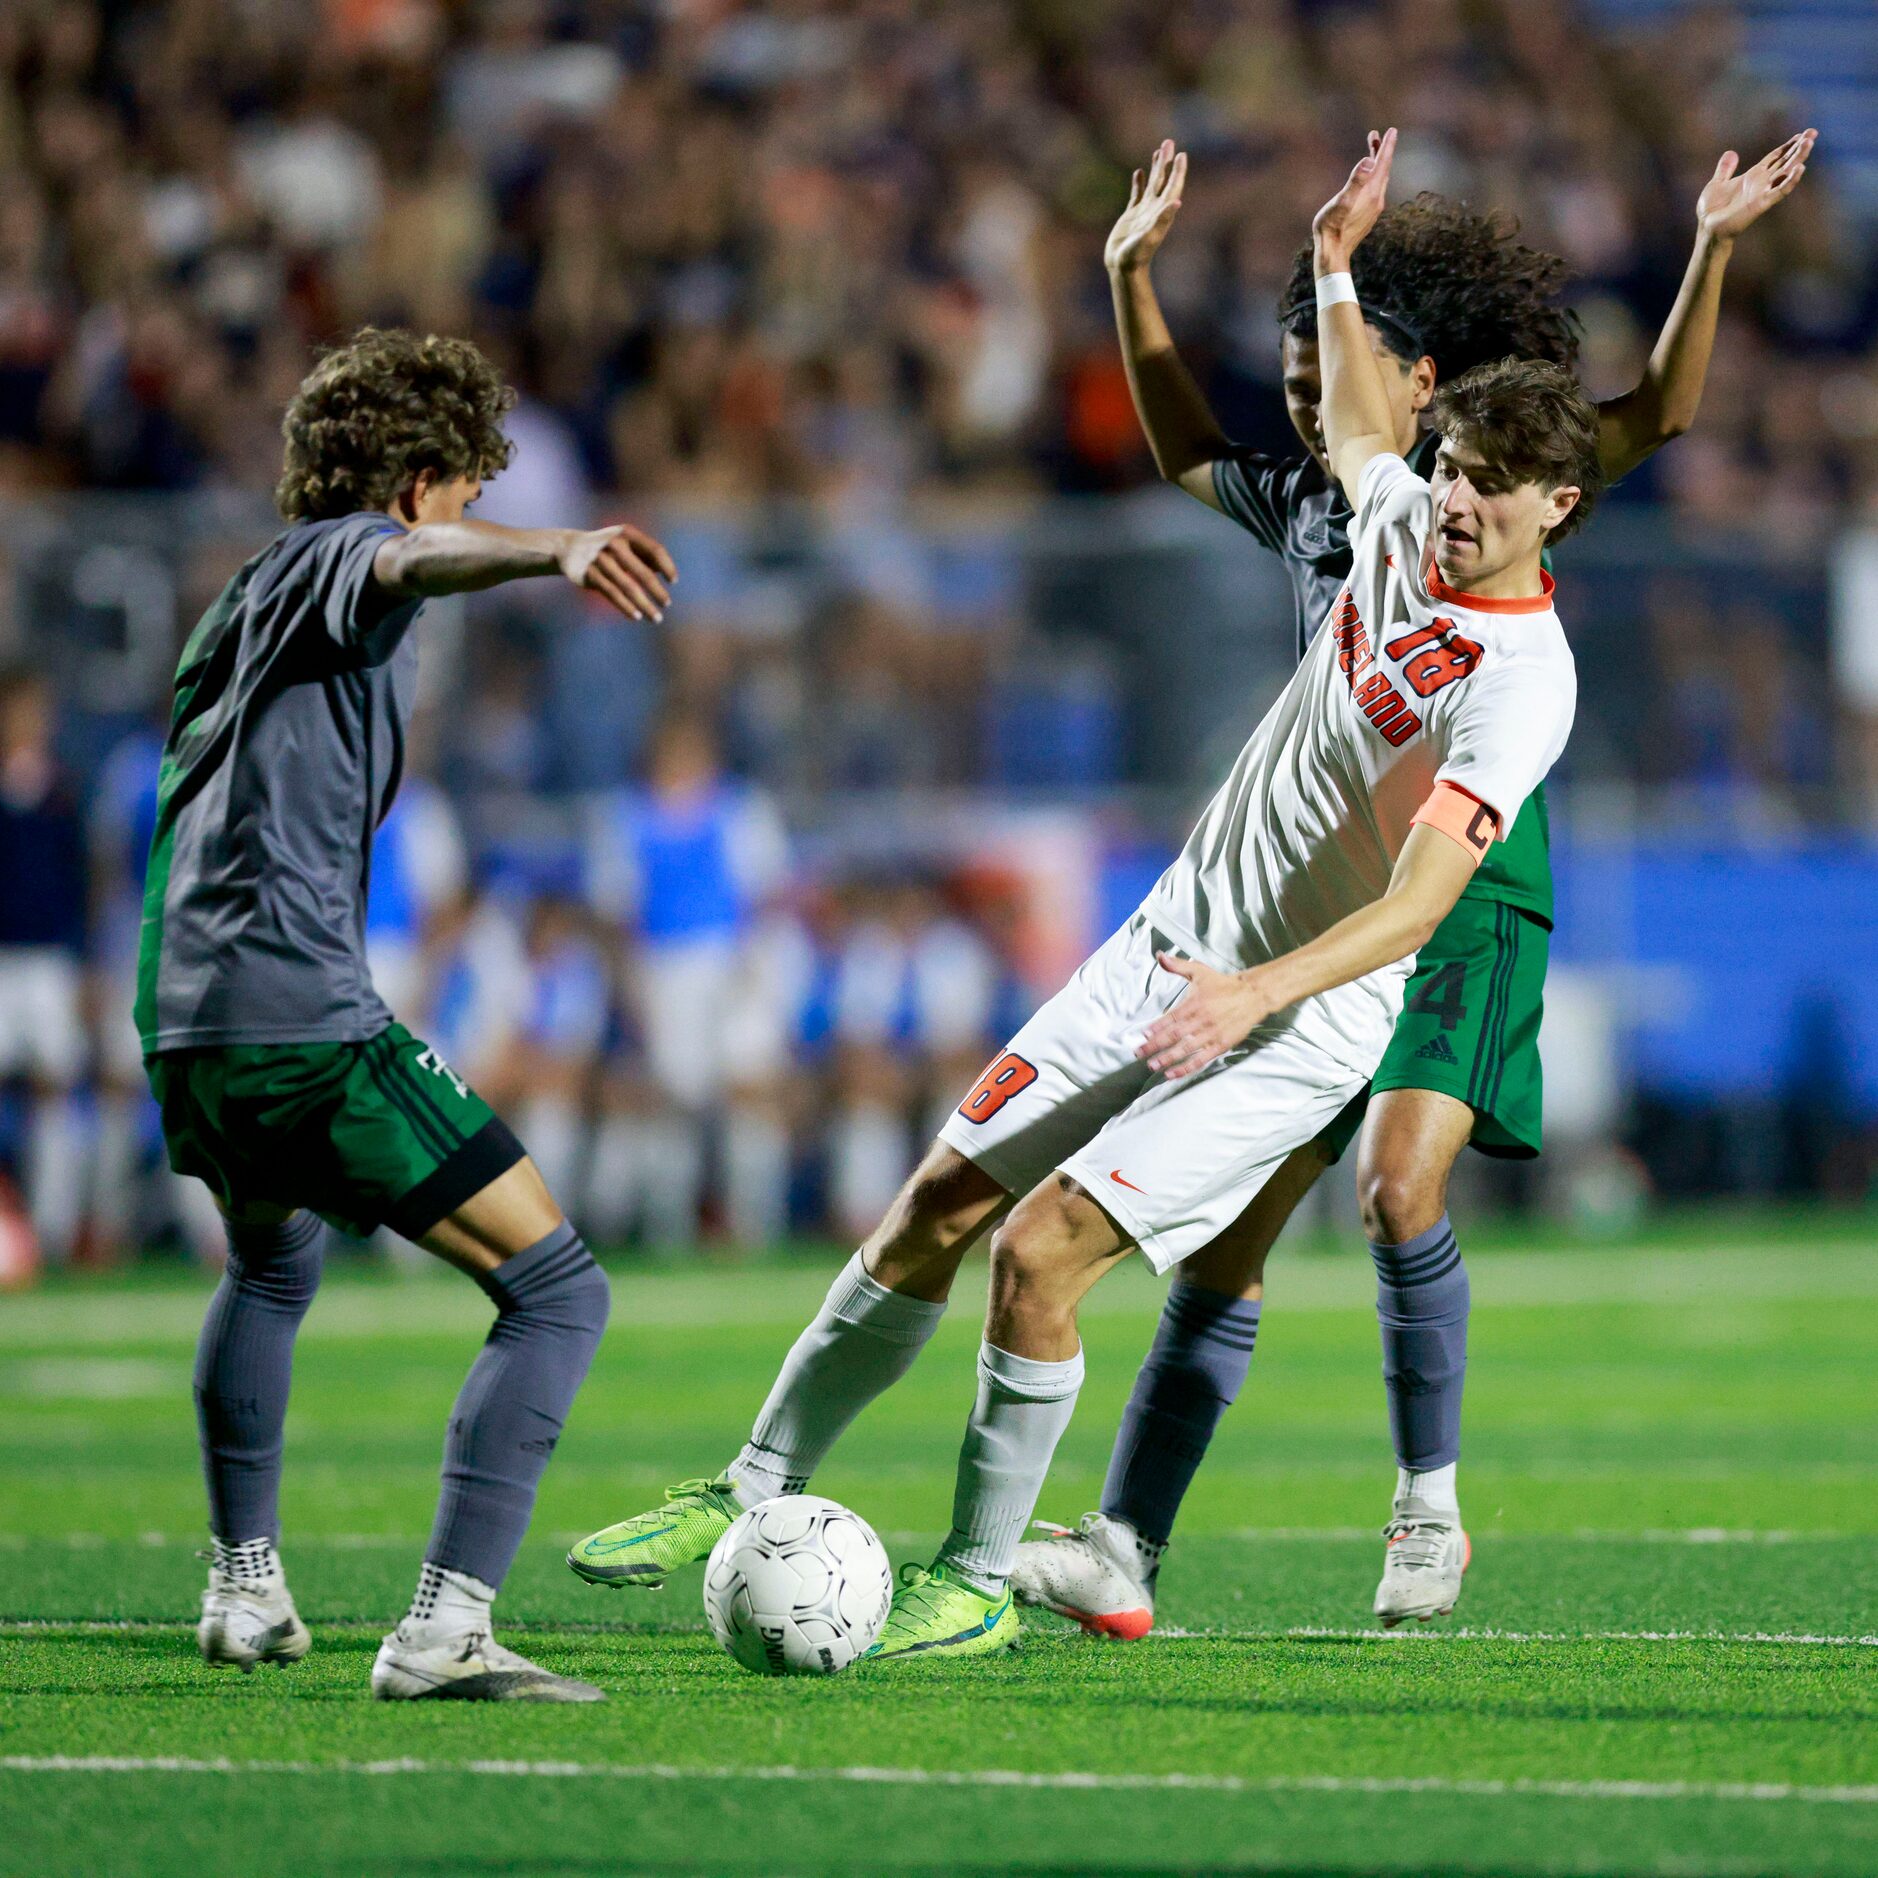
1425 1553
1089 1573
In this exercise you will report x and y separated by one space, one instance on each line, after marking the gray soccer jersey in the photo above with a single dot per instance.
1289 505
285 748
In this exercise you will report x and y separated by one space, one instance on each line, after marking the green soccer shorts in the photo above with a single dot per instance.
381 1133
1470 1029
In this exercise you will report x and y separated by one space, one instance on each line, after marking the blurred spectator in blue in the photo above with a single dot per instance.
692 867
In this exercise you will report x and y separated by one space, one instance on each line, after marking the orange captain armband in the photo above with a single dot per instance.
1464 819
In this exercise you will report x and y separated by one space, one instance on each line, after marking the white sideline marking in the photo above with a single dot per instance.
971 1777
1297 1633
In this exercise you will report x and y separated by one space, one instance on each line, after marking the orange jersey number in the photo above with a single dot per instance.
1434 656
996 1086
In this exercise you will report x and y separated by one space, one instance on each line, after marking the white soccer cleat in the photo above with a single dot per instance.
1425 1553
247 1621
1090 1573
415 1666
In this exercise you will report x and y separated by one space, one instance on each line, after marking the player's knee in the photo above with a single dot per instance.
1034 1252
1399 1202
592 1298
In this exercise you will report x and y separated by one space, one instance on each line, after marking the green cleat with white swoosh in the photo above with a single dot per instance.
935 1614
649 1547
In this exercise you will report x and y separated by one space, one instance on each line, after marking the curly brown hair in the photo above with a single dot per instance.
379 409
1438 278
1529 419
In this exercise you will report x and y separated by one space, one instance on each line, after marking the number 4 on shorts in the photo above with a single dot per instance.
1441 996
1006 1076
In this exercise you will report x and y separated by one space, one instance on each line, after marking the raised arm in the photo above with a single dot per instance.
1663 403
1355 408
1181 429
623 564
1224 1008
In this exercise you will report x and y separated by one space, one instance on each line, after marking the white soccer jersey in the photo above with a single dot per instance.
1408 683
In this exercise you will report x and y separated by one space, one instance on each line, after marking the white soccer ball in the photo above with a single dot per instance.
798 1586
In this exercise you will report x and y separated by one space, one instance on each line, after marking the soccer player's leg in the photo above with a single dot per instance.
551 1306
1167 1176
1463 1065
1063 1074
244 1360
879 1313
1103 1571
1053 1247
386 1133
1410 1144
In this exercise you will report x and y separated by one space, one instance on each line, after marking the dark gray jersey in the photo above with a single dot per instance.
285 749
1293 508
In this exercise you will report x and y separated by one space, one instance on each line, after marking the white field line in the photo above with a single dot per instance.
1297 1633
1243 1535
1707 1790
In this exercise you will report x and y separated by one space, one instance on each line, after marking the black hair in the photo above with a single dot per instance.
1437 278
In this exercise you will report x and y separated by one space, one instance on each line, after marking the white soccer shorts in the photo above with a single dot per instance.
1172 1163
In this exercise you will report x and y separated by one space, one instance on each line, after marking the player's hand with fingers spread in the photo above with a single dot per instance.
1338 228
1731 203
624 565
1220 1011
1153 202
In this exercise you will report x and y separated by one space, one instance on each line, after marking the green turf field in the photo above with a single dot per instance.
1664 1661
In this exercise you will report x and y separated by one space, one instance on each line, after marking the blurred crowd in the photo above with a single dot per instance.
698 1038
821 266
813 287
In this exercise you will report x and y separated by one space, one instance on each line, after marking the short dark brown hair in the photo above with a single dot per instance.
1530 420
376 411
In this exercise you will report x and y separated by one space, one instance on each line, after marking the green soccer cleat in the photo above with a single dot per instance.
649 1547
936 1615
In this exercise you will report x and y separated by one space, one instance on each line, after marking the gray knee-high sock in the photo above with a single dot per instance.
244 1360
1422 1303
1194 1370
862 1341
551 1306
1022 1409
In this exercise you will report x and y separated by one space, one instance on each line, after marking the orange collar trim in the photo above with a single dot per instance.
1438 589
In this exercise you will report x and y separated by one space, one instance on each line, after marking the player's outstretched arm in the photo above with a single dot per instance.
624 565
1224 1008
1355 408
1180 426
1664 401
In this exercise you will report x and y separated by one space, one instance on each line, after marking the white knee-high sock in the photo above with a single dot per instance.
1022 1409
863 1340
756 1177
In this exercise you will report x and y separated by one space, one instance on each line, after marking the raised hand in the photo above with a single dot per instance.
624 566
1731 203
1153 202
1339 226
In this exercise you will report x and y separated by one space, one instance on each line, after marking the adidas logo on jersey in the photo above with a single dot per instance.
1436 1050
